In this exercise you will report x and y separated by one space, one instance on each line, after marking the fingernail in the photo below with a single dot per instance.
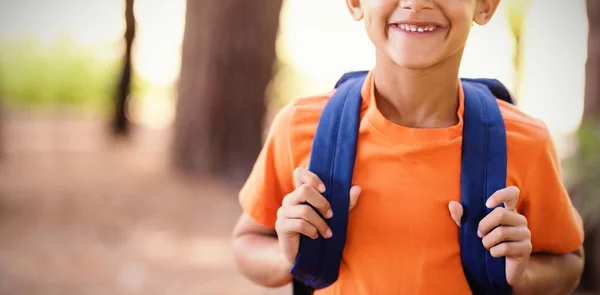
488 203
479 234
329 214
328 233
322 188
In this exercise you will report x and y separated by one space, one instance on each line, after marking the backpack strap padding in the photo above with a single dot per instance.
483 172
358 75
494 86
332 160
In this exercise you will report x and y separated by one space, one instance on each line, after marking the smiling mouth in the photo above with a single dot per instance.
416 28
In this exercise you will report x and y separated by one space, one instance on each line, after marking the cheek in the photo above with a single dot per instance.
373 32
460 32
379 10
376 25
461 20
462 11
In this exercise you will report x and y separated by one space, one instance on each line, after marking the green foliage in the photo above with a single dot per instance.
36 74
584 173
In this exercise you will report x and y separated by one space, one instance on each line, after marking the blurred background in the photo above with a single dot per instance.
127 127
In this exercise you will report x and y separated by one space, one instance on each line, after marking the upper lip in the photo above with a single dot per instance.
418 23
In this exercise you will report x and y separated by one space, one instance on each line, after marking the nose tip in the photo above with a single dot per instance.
416 4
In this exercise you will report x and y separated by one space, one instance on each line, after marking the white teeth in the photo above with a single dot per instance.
413 28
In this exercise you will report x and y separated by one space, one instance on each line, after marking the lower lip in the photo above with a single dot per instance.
417 33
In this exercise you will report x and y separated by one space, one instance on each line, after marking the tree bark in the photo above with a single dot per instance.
591 277
120 121
227 63
592 90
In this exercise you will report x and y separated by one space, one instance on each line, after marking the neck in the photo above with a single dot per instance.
424 98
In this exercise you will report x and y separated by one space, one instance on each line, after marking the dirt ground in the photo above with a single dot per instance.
83 214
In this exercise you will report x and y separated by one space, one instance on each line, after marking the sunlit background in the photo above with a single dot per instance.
318 40
63 57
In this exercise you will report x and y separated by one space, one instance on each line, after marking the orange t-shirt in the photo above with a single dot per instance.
401 239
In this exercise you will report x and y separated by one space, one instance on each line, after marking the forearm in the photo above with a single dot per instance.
260 259
550 274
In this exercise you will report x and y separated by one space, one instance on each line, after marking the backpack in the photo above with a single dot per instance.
483 171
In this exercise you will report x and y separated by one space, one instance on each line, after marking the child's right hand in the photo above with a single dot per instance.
295 217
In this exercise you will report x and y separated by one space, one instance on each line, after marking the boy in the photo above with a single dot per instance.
402 235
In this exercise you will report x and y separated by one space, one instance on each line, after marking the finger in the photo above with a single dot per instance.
290 227
503 234
308 194
304 176
306 213
456 212
500 216
512 249
509 196
354 194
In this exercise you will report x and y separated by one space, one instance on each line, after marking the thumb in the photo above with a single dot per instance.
354 193
456 211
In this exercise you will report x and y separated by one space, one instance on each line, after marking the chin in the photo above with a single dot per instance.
412 58
414 63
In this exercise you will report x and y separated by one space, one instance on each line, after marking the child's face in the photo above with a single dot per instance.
418 34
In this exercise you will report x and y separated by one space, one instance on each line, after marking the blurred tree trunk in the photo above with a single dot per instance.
227 63
120 121
591 119
592 94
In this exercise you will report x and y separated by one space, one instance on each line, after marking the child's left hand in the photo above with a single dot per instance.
505 226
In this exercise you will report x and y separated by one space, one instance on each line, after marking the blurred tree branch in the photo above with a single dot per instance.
516 12
227 63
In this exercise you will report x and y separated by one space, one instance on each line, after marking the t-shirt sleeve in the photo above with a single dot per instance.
272 175
555 225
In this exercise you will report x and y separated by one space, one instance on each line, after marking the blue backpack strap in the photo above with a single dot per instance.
484 164
332 160
358 75
299 288
494 86
483 172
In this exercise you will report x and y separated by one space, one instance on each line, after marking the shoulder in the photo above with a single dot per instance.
310 105
528 142
296 123
298 113
523 130
301 113
534 167
530 150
